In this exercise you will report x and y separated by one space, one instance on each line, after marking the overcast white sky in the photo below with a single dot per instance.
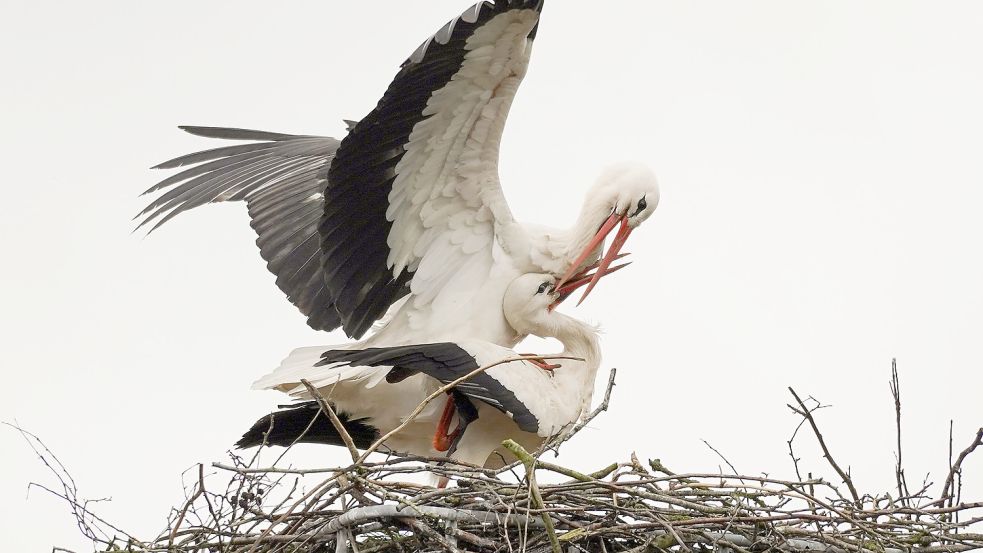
821 173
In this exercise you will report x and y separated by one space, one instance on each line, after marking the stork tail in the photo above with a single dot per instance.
306 424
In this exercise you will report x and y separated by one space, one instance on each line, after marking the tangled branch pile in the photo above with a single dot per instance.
635 506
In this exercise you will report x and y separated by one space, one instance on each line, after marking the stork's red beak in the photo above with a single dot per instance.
581 279
574 279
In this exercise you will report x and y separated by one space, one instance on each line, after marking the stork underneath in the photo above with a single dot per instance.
373 390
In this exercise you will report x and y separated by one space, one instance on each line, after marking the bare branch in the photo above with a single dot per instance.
333 417
956 469
805 412
903 493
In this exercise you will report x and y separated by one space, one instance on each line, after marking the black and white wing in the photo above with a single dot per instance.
408 201
414 196
447 362
281 177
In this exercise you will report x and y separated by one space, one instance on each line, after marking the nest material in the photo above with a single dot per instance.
636 506
629 506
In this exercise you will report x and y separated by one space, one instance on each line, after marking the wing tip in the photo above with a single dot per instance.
471 16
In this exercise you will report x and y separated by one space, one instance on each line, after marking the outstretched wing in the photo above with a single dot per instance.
414 195
281 179
413 192
445 362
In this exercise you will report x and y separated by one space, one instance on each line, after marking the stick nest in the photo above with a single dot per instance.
634 505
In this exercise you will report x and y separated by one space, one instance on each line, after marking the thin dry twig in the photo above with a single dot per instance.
722 457
807 414
537 498
956 469
333 417
903 492
449 386
556 442
199 490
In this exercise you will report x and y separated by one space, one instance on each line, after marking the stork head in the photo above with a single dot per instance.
625 195
627 190
528 300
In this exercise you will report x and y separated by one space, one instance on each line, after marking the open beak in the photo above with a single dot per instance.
583 278
603 266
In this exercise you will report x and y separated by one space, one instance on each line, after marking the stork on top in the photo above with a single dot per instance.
409 202
375 389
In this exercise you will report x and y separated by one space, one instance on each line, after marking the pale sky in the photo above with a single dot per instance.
822 182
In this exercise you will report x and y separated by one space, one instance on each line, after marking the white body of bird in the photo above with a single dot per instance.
517 400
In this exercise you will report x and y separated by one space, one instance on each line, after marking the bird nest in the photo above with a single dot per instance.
534 505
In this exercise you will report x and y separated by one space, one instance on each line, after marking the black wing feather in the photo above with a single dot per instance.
281 181
445 362
305 423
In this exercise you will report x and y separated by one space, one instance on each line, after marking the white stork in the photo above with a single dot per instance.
374 389
409 202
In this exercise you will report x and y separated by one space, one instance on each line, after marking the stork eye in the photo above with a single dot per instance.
544 287
642 204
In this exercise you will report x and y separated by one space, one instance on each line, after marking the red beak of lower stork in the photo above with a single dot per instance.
576 277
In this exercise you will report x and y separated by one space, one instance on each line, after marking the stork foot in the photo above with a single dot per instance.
466 414
548 367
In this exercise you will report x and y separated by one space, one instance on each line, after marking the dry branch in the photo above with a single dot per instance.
806 413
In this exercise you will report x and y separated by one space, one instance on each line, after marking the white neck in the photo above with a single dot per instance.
579 340
575 239
535 248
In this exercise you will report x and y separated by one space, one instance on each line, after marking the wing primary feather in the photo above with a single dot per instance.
231 133
281 179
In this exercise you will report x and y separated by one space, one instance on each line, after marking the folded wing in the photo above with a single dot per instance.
447 362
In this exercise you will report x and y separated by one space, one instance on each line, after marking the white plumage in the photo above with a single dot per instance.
405 220
515 400
410 199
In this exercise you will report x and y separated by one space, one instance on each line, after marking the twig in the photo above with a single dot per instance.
947 495
721 455
602 407
791 450
333 417
951 450
199 490
425 529
274 470
537 499
822 443
903 492
447 387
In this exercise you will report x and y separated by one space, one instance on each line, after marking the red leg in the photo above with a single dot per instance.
442 438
